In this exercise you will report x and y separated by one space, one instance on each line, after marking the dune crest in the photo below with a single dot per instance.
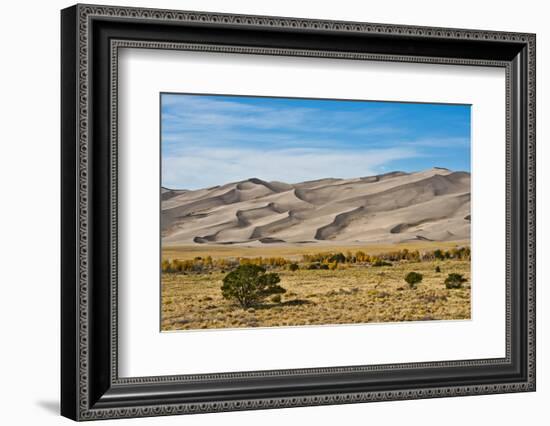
395 207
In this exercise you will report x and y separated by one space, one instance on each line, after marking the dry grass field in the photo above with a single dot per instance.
350 293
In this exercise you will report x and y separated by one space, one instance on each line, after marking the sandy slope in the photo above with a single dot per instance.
395 207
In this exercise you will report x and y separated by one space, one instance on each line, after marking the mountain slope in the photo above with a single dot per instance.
395 207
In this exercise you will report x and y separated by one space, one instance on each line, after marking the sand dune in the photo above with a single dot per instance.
394 207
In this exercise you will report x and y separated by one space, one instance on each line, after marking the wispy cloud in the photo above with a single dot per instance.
441 142
187 113
210 140
200 168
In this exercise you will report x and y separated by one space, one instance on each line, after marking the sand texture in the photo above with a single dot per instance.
397 207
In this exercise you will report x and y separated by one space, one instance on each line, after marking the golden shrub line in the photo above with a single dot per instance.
329 260
458 253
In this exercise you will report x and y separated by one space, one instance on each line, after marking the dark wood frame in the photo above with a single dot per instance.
90 386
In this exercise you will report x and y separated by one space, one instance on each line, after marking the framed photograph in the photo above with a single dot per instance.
263 212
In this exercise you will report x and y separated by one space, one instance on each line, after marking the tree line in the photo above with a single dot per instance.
321 260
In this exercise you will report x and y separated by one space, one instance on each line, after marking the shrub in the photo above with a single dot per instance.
293 267
380 262
249 285
413 278
454 280
166 266
360 256
437 269
413 256
338 257
276 298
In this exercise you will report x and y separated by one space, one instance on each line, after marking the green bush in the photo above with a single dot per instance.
293 267
413 278
438 254
338 257
249 285
276 298
454 281
437 269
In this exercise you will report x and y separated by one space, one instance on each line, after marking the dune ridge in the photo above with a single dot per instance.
394 207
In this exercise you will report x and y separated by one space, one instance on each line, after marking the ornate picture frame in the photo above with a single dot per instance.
91 37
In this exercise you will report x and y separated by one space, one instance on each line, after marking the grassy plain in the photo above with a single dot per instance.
347 295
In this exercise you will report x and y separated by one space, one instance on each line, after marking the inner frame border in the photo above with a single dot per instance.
117 44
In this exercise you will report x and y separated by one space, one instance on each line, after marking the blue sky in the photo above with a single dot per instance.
210 140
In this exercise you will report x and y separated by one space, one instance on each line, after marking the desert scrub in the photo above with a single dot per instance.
454 280
276 298
413 278
379 297
249 285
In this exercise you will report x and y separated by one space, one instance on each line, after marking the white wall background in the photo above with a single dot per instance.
29 225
